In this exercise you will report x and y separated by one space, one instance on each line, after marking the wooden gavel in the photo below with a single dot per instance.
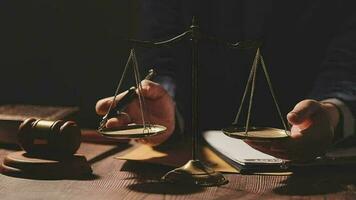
44 137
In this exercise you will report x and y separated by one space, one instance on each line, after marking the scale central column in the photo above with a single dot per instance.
194 171
194 70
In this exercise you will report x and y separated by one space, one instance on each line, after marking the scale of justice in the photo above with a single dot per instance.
194 171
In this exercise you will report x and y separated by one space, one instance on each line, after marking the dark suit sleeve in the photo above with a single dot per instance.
160 20
337 77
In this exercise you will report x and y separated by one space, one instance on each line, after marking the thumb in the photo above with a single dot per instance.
302 112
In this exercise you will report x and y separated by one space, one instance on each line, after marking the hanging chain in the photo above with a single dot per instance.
286 128
139 88
254 67
105 118
247 87
121 80
252 81
132 58
244 95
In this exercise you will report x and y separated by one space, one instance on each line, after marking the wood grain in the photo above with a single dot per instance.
115 179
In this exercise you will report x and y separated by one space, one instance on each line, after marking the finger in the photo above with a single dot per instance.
303 111
122 120
103 105
142 141
276 149
152 90
296 131
154 140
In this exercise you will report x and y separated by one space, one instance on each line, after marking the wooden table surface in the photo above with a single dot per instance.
116 179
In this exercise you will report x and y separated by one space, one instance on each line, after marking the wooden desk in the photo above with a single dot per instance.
115 179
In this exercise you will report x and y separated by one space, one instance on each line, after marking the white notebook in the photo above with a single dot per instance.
242 156
238 153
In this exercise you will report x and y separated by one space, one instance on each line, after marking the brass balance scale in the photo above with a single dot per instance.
194 171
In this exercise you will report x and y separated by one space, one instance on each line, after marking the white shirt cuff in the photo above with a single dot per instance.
167 83
349 120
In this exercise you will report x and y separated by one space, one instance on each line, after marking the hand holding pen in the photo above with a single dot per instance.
114 111
159 104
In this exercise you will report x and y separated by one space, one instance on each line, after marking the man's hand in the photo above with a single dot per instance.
312 132
160 108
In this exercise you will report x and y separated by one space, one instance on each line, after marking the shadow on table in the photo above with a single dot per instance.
41 178
145 171
109 153
164 188
319 181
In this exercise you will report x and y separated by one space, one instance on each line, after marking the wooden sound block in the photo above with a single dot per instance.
21 164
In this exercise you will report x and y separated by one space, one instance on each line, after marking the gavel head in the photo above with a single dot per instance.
45 137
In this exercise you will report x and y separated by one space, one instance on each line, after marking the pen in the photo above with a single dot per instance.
122 104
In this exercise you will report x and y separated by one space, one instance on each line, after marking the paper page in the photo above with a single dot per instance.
237 150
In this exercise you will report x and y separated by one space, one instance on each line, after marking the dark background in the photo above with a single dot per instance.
63 52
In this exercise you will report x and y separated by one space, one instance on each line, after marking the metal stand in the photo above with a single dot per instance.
194 171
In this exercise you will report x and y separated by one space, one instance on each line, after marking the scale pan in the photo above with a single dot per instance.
133 131
256 133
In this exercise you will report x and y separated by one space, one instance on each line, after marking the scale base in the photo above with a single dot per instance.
194 172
